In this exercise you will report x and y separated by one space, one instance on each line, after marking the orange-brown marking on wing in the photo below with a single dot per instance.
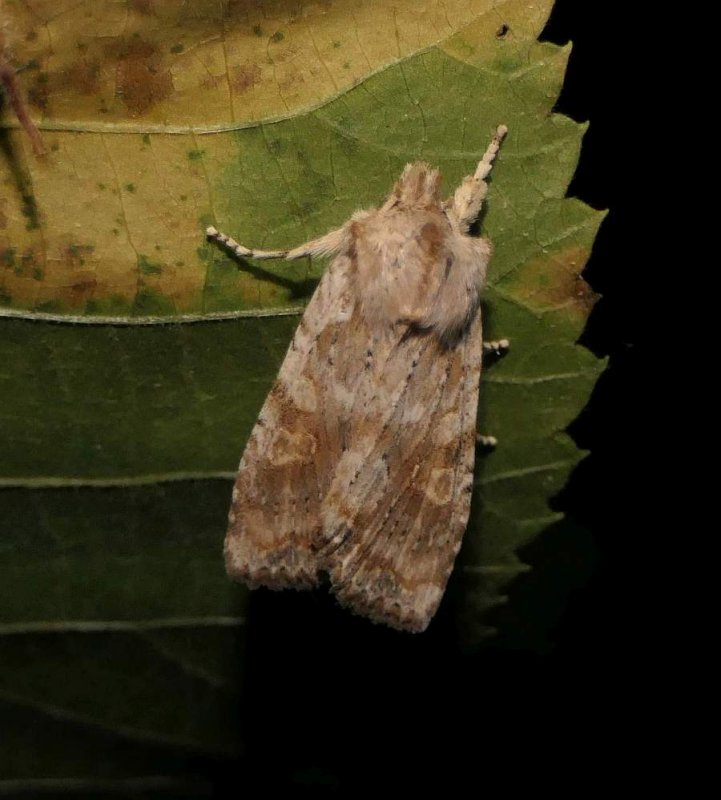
395 537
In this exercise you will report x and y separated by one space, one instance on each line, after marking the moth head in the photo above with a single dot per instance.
418 187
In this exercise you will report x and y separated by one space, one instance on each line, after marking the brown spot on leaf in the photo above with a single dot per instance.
7 257
241 8
553 281
142 6
286 54
212 81
74 255
82 289
291 79
245 76
83 77
141 80
38 92
29 259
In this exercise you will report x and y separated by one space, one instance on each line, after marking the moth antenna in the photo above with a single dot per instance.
468 197
330 243
486 163
240 250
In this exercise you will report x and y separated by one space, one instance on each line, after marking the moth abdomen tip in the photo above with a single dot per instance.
211 232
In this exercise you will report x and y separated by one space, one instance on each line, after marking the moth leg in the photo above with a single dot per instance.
468 197
330 243
495 348
498 347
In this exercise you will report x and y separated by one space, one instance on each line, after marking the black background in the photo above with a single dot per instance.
332 703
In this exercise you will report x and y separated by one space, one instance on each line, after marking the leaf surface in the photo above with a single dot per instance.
135 356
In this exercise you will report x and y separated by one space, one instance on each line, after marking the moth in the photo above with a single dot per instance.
359 469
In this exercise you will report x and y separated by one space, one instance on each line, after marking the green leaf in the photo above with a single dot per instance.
135 356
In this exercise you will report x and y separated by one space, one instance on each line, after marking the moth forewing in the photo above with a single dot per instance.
360 465
289 457
394 521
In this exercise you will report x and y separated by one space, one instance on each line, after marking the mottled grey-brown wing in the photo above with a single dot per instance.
292 452
395 514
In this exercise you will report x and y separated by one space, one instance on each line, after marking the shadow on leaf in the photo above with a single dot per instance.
297 290
21 178
562 558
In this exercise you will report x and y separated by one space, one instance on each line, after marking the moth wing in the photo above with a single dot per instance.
395 514
292 451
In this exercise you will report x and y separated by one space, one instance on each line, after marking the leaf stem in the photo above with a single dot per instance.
9 80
